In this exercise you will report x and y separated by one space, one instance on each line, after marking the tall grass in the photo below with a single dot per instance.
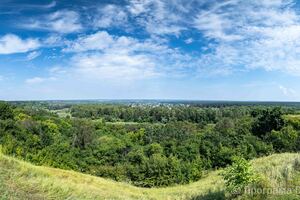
21 180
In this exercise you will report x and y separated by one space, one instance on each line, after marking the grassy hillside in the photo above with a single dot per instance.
20 180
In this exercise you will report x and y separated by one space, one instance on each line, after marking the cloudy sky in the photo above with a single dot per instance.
150 49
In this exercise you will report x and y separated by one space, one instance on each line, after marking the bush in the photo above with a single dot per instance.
6 111
239 175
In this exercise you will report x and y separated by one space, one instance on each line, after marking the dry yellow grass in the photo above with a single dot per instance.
21 180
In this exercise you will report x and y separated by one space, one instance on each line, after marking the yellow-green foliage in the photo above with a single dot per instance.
294 120
21 180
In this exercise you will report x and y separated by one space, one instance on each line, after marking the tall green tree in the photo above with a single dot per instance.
83 133
268 120
6 111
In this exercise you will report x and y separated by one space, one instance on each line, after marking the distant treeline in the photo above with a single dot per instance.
163 113
60 104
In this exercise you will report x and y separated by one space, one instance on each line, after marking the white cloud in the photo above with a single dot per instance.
241 36
57 70
219 62
50 5
39 6
54 40
137 7
215 25
114 66
98 41
114 57
11 43
110 16
63 21
38 80
159 17
189 40
252 34
102 41
33 55
35 80
287 91
120 57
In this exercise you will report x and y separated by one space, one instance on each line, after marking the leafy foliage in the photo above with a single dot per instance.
267 120
149 146
239 175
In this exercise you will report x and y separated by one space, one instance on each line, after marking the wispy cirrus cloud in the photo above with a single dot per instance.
250 35
33 55
11 7
109 16
38 80
287 91
159 17
35 80
242 35
61 21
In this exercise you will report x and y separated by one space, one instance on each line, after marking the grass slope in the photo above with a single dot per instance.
21 180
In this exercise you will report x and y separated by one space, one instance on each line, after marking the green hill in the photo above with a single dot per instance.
21 180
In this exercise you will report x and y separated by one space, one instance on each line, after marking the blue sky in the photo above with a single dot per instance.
150 49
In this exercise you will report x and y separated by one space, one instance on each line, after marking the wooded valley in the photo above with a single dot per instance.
146 145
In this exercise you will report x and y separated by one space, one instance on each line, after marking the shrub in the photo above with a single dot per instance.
239 175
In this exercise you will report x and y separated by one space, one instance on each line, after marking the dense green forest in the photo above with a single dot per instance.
145 145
